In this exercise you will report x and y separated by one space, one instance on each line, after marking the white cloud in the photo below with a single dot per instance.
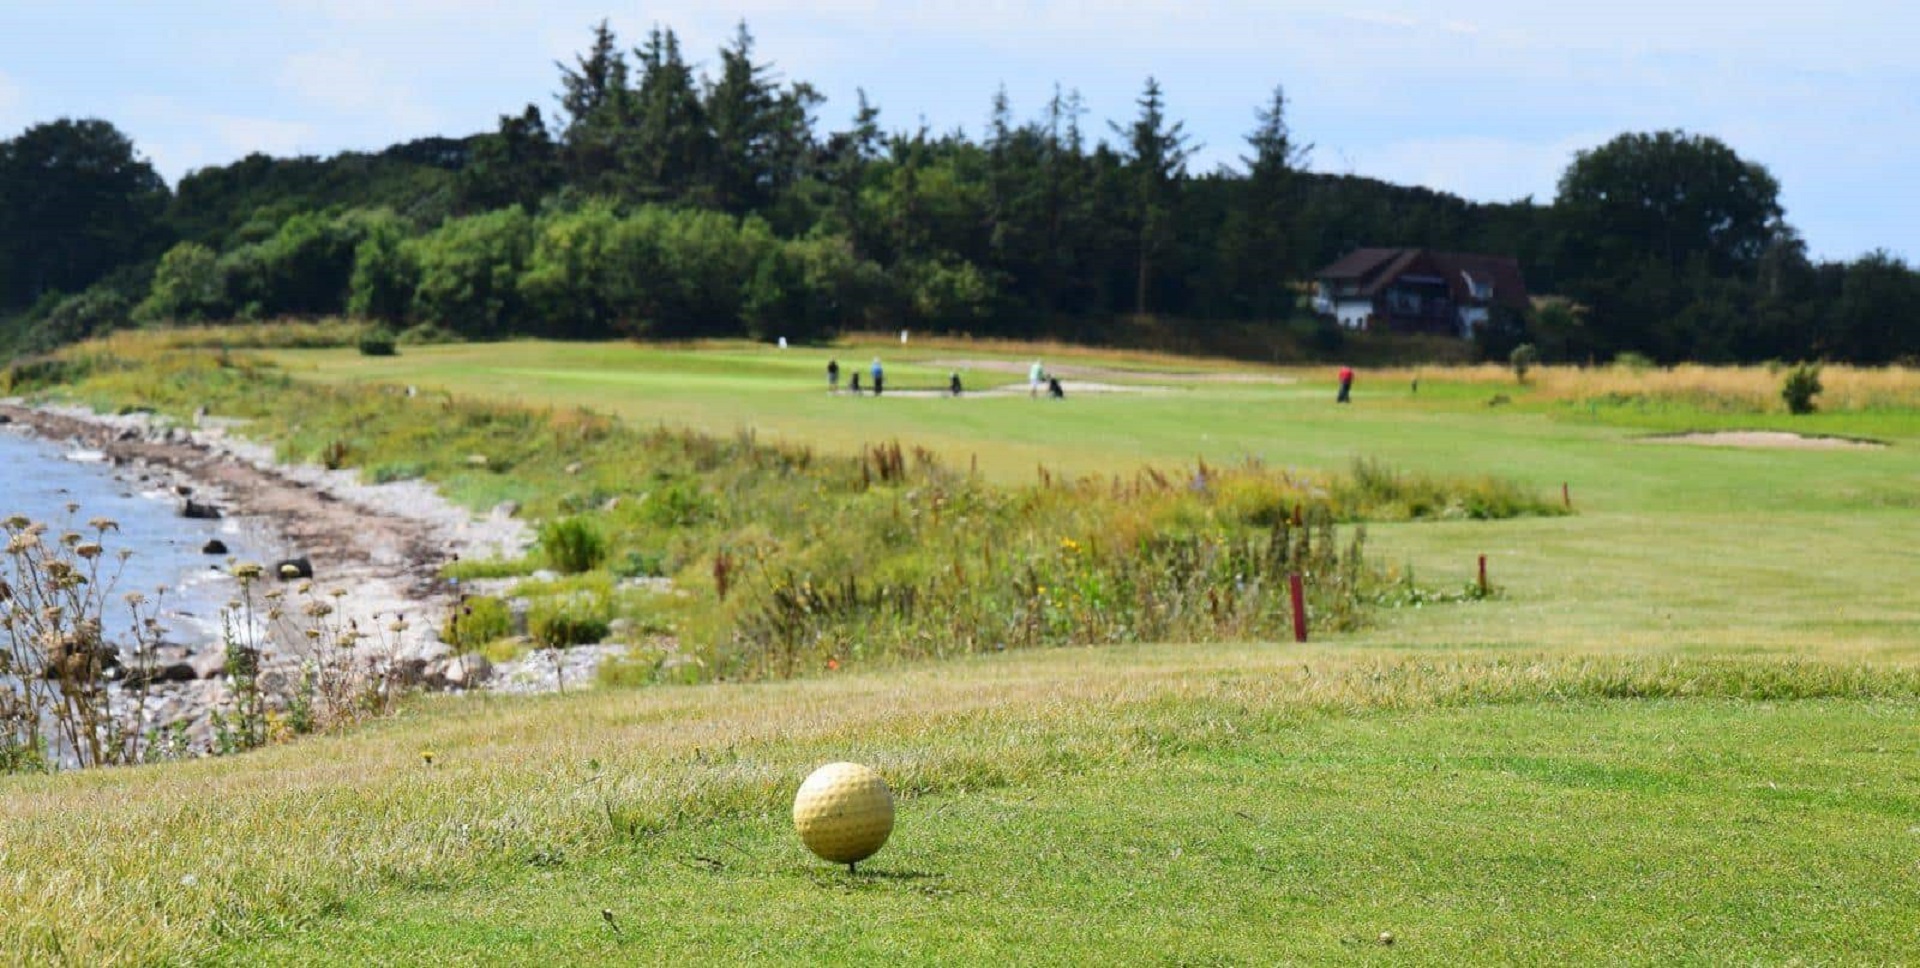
247 135
350 83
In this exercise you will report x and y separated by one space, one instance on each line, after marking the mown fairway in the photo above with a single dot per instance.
1685 732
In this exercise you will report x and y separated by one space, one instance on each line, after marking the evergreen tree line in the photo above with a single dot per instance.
663 201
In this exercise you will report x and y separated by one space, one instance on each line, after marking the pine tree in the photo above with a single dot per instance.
598 109
1156 159
672 147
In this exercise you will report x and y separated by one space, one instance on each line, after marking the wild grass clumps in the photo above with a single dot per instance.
572 545
77 681
57 664
477 621
1376 491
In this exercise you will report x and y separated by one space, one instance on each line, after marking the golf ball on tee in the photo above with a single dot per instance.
844 812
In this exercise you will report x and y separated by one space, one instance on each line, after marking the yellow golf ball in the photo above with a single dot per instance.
844 812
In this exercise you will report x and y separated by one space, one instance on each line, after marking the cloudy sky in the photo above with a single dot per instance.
1485 99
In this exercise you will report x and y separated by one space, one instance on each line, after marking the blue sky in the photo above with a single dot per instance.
1485 99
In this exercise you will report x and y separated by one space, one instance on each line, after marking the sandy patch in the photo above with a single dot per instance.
1070 388
1766 439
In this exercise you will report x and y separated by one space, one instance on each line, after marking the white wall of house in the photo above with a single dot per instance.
1471 319
1353 313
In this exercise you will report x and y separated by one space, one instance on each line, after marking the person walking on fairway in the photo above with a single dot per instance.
833 376
1346 385
1036 378
879 377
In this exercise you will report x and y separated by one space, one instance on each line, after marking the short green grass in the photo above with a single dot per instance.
1684 731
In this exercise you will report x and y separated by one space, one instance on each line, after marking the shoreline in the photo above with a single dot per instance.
381 544
384 543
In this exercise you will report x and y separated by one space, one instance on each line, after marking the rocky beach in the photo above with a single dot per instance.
375 550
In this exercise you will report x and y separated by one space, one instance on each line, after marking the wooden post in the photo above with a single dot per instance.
1483 574
1298 590
1566 495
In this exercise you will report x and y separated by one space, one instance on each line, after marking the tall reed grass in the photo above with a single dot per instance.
1714 389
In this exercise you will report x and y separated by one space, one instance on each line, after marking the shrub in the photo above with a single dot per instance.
574 620
1635 363
1522 359
378 341
572 545
1800 387
476 622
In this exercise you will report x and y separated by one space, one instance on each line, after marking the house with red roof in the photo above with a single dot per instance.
1418 290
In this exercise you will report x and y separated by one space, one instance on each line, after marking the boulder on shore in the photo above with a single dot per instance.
289 569
214 547
458 672
204 512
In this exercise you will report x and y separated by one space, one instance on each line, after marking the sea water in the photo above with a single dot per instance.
44 479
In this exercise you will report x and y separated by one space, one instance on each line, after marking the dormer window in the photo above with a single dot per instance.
1481 289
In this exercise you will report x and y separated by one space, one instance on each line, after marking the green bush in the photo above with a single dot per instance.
477 621
573 620
1522 359
572 545
378 341
1800 387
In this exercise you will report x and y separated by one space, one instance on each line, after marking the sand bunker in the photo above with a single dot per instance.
1020 389
1772 439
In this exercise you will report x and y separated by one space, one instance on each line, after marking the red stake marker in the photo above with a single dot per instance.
1298 589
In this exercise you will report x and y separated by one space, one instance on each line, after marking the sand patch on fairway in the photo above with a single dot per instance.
1020 389
1765 439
